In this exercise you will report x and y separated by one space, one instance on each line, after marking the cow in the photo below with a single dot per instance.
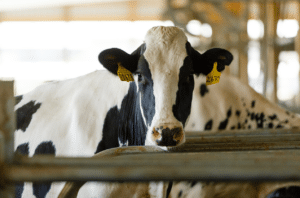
89 114
233 105
229 105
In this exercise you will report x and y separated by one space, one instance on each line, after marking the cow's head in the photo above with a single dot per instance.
163 69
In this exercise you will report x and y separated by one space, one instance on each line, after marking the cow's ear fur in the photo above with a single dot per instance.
110 58
203 63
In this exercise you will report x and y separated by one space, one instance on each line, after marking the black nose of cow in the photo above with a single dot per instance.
168 137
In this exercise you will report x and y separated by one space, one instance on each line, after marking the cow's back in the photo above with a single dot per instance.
233 105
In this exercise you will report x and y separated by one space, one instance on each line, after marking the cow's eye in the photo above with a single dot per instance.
140 77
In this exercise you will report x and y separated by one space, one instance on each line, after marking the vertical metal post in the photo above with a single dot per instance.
7 127
269 56
7 117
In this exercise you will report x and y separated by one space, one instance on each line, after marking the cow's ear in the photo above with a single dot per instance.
203 63
111 58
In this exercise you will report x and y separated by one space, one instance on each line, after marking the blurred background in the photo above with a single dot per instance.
54 40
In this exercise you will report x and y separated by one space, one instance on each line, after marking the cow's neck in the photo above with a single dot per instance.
124 126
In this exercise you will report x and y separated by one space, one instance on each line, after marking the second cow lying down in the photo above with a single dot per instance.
224 106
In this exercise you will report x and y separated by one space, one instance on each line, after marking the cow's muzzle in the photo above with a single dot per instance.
164 136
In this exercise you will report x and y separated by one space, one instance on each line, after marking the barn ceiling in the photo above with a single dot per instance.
9 5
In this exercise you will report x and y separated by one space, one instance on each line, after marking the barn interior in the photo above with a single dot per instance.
44 41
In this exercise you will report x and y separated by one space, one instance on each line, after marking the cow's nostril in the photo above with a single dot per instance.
167 136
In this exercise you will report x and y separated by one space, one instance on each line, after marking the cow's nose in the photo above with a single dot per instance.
164 136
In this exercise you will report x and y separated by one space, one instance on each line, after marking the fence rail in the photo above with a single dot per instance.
259 155
204 166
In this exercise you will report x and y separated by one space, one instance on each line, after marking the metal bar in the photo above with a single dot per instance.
210 166
7 128
264 139
7 117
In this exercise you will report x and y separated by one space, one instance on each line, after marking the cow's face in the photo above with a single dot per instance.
163 69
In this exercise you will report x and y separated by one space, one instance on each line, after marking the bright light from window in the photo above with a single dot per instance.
206 30
194 27
288 75
287 28
34 52
255 29
253 68
288 70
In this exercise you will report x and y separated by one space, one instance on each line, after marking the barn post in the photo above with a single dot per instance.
269 53
7 128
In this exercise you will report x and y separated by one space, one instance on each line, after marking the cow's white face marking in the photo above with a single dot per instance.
165 54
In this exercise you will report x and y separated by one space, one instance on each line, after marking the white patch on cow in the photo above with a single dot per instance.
165 54
122 144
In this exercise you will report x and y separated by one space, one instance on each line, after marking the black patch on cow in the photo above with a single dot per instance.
203 89
271 125
238 113
45 148
287 112
125 124
193 183
110 130
252 116
287 192
260 118
253 104
224 123
22 149
184 95
248 113
233 127
249 126
180 193
169 189
279 126
145 83
24 114
246 121
239 126
273 117
18 99
40 190
208 125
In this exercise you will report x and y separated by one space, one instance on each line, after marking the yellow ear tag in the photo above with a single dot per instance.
124 74
214 76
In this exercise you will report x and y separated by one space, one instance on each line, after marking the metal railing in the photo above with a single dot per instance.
258 155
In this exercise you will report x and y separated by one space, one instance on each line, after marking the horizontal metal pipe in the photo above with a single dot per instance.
151 163
211 166
262 139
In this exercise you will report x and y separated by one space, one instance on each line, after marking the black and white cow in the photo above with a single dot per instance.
88 114
231 105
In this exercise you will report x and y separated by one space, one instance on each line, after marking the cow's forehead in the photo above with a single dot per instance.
165 48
